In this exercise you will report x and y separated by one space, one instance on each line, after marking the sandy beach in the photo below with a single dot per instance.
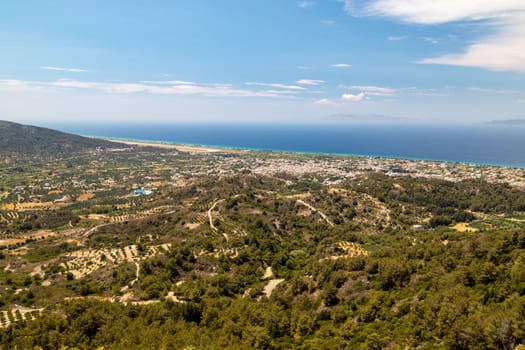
182 148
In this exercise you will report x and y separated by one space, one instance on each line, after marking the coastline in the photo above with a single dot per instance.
164 145
206 149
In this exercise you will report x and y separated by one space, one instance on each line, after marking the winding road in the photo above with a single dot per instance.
210 219
300 201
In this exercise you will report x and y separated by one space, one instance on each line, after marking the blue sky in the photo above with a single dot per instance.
334 61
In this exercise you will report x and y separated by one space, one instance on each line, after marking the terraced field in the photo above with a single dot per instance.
85 262
19 314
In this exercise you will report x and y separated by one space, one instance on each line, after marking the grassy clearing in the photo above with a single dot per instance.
464 227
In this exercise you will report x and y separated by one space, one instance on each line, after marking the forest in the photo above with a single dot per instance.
360 278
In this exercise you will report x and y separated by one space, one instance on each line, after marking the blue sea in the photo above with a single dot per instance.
479 144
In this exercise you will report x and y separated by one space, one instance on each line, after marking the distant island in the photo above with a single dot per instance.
517 121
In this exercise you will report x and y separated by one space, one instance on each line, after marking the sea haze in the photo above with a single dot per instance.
480 144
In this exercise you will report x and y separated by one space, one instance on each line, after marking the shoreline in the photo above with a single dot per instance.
207 149
165 145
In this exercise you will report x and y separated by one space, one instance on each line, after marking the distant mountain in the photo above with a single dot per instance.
367 118
508 122
24 139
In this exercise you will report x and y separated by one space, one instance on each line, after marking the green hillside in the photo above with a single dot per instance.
26 139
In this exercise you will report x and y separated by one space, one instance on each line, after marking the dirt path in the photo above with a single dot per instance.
312 208
268 273
130 284
516 220
141 215
92 230
210 219
137 274
171 296
384 212
268 289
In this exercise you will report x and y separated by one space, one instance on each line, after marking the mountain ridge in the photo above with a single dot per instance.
28 139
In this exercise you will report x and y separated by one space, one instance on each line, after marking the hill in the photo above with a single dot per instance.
25 139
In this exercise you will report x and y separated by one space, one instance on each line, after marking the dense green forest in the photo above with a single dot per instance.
399 288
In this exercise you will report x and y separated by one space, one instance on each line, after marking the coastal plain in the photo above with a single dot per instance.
335 164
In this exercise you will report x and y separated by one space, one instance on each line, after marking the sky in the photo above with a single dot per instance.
269 61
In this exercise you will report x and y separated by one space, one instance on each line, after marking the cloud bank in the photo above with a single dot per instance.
352 97
341 65
62 69
173 87
501 50
309 82
305 4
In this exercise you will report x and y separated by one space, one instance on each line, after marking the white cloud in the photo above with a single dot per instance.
104 86
351 97
493 91
309 82
304 67
431 40
225 85
156 88
13 83
169 82
500 51
374 90
62 69
305 4
414 91
383 91
276 85
435 11
396 38
328 22
341 65
520 101
349 7
281 92
324 101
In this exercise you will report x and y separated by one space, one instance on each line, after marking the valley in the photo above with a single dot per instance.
199 248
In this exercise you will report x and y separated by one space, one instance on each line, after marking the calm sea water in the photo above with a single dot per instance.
495 145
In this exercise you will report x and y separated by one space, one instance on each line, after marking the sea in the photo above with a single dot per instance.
498 145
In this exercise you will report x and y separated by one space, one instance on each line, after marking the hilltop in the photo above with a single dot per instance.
25 139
